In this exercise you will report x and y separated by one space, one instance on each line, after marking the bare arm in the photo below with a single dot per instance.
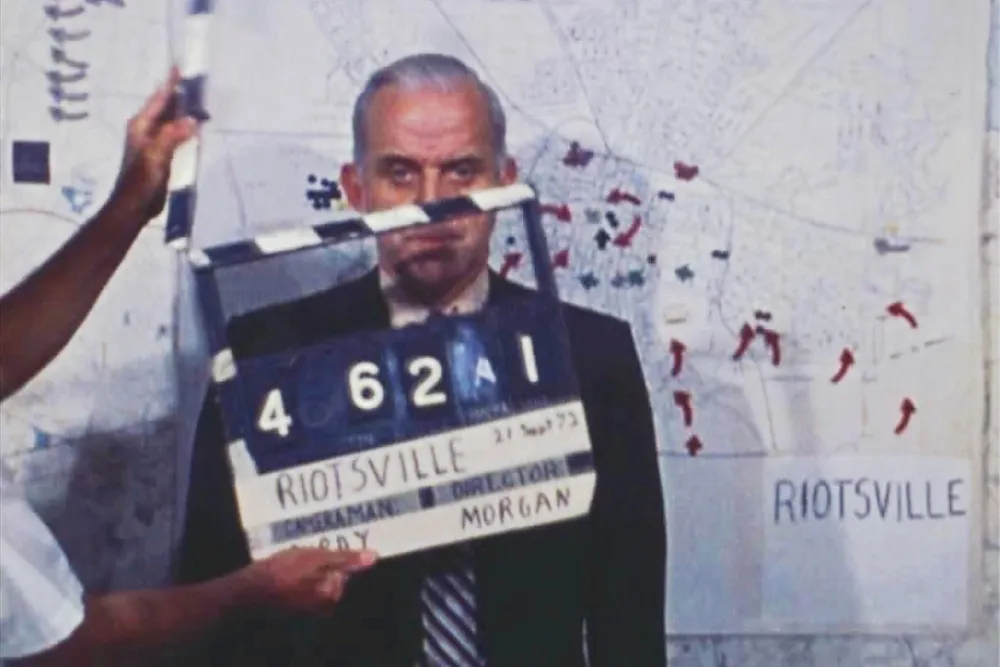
40 315
126 628
118 628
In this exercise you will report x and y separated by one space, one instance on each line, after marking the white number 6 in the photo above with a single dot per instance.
423 393
366 390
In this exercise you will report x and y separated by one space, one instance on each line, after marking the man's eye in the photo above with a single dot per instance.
400 174
464 172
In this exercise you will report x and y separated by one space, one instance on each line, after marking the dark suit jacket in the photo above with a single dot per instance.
536 588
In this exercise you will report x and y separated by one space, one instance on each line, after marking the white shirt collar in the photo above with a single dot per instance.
404 311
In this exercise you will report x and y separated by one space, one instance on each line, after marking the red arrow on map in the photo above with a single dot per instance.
693 445
897 309
510 261
624 239
773 341
682 399
677 350
906 409
685 172
561 259
746 337
561 211
617 196
846 361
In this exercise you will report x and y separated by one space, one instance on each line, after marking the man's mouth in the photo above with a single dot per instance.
432 236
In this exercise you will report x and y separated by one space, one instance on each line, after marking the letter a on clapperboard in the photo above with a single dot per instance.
484 371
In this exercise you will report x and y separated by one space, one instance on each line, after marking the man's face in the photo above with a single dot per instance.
425 145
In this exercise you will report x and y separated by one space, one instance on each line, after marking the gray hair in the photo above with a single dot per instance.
422 70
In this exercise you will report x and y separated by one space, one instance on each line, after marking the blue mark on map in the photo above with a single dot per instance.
633 278
55 12
31 162
80 197
322 197
61 35
684 273
589 280
42 439
68 69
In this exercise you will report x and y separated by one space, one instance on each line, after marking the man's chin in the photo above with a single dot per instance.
428 278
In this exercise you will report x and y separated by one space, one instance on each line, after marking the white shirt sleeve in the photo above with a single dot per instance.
41 599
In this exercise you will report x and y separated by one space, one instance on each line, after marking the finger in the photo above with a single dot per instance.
156 103
332 587
173 134
352 560
343 560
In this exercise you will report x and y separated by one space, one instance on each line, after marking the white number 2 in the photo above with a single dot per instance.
273 416
423 393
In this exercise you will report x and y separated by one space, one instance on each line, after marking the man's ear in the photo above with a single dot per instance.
508 174
350 180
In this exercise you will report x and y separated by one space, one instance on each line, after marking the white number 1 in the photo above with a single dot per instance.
528 354
273 416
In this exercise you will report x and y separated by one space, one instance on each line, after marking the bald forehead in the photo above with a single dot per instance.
428 120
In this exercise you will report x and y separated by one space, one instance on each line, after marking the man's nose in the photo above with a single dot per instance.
429 190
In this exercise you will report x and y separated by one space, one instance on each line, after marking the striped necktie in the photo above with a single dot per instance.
448 603
449 610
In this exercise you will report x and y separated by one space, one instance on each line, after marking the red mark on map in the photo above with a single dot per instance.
773 341
677 349
685 172
510 262
561 259
561 211
897 309
906 410
617 196
577 156
693 445
624 239
746 337
846 361
682 399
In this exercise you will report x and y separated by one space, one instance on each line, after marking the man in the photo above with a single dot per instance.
425 127
45 619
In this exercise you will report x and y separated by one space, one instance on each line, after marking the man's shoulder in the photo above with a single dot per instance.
584 324
592 324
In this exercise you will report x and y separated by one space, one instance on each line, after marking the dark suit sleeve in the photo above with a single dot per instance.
213 543
625 624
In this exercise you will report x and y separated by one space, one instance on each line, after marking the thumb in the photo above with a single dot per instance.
357 560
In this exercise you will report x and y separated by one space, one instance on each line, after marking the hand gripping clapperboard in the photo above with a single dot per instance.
404 439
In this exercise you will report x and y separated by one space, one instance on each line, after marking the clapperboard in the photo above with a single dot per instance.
404 439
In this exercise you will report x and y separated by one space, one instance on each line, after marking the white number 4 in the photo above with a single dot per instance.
273 417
